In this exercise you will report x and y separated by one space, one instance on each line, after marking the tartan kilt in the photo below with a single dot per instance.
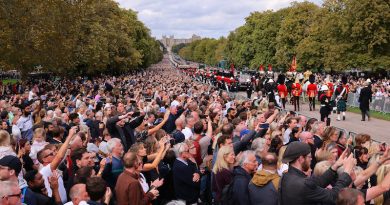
341 106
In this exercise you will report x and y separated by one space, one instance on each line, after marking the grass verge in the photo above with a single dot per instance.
373 114
12 81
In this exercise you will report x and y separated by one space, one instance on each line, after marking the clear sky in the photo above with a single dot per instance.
207 18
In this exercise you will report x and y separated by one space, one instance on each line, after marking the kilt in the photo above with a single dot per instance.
341 105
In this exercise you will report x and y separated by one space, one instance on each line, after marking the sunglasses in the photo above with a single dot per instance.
13 195
51 154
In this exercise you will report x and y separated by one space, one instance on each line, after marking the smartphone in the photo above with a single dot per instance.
264 126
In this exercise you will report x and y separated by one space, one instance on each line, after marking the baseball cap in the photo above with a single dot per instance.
295 150
12 162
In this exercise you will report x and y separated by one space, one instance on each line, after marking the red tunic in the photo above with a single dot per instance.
329 93
312 90
296 89
282 90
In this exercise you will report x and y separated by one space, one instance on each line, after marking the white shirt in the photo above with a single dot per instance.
187 133
175 103
144 184
286 136
103 147
25 123
81 203
46 173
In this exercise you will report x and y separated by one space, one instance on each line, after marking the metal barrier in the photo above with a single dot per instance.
379 104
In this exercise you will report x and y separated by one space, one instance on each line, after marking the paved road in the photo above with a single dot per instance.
378 129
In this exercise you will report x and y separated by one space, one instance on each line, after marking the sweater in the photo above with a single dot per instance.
185 188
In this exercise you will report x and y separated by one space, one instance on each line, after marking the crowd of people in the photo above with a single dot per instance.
160 137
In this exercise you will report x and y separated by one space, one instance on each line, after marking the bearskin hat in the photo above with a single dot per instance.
312 78
344 79
281 79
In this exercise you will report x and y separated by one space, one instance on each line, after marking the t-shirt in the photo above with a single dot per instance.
46 173
204 143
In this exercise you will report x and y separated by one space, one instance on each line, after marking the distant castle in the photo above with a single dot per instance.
170 41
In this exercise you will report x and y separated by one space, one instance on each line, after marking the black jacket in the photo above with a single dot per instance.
125 133
297 188
365 98
240 186
185 188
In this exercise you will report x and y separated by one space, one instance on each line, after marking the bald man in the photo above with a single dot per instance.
78 194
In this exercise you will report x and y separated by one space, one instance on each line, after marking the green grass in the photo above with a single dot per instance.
373 114
12 81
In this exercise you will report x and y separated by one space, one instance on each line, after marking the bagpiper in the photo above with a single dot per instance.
342 96
296 92
282 90
326 107
312 92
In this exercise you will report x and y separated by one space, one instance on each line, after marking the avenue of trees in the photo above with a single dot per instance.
338 35
73 37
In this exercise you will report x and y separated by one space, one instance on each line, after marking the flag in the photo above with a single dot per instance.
232 68
293 65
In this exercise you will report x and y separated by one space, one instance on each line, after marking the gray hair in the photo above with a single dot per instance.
180 148
176 202
303 135
244 157
7 187
99 114
259 144
112 143
316 126
76 191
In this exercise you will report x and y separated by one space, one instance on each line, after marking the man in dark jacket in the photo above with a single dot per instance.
120 127
242 176
364 99
186 177
175 113
263 189
297 188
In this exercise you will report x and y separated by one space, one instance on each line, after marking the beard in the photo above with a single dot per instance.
38 189
306 166
26 113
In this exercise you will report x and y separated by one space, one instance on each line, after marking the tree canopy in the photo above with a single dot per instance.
338 35
73 37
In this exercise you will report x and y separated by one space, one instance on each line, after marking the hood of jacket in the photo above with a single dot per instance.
262 178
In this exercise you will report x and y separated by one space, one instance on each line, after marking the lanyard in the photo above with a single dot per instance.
23 194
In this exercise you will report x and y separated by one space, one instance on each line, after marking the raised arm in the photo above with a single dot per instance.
381 188
156 161
367 173
273 116
62 151
209 132
159 126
